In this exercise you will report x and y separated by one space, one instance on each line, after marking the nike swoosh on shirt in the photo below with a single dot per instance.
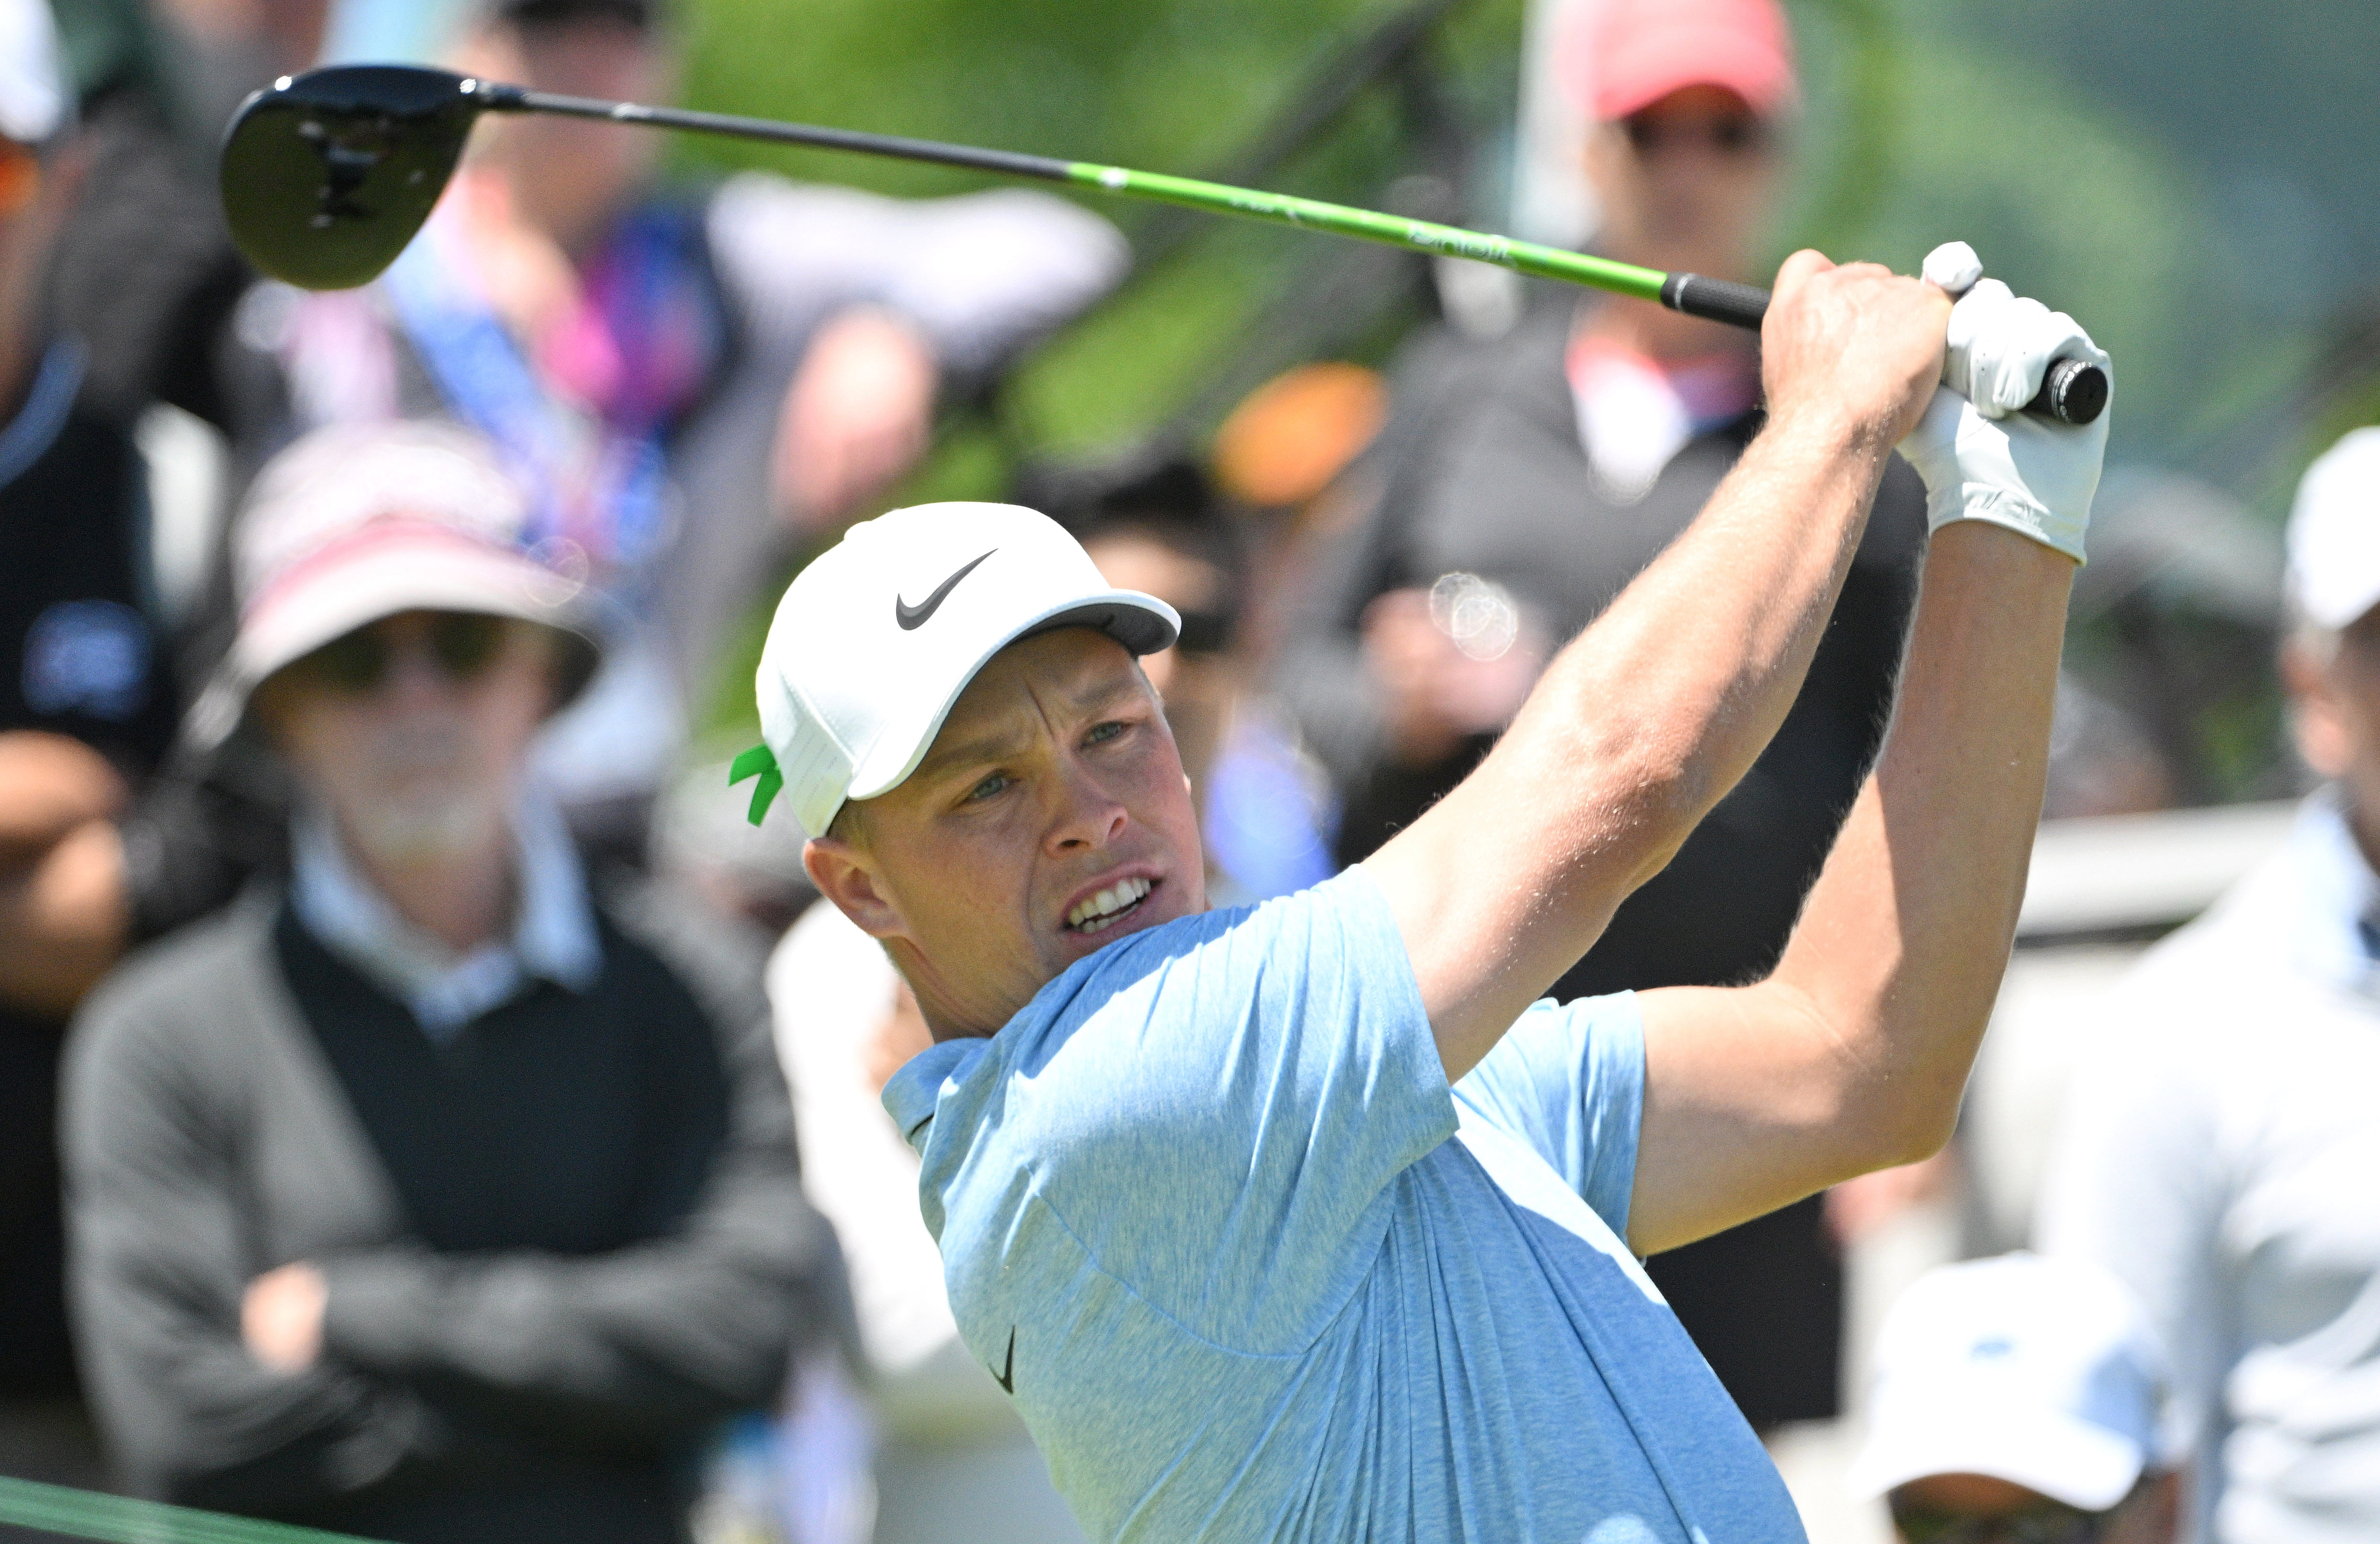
913 617
1006 1376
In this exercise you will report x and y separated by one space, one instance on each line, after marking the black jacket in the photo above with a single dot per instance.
559 1248
82 654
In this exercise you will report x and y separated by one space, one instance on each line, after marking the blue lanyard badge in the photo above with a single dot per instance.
590 485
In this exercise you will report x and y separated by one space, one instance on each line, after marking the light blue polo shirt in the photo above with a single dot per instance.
1253 1272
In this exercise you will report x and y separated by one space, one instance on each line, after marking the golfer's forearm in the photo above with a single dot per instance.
1906 937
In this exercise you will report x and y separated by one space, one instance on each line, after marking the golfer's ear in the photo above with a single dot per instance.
841 873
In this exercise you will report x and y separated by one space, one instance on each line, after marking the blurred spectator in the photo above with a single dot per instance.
87 712
148 276
665 368
703 842
1264 805
2220 1143
1279 455
2169 697
2020 1401
433 1200
218 52
2100 763
1526 482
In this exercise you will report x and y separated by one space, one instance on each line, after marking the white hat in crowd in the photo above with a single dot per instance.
875 640
2335 533
33 100
357 522
2041 1372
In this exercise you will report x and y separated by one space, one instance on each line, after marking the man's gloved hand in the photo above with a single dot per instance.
1981 459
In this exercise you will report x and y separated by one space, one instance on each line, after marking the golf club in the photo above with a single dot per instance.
327 176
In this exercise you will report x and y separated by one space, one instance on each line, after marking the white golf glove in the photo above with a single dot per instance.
1981 459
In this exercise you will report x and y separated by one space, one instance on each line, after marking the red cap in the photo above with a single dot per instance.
1620 57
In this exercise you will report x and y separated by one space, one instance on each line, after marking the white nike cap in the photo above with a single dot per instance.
2335 532
875 640
2042 1372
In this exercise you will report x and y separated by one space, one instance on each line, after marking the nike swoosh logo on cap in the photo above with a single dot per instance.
913 617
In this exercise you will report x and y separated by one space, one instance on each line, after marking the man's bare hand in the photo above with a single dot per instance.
857 417
281 1316
64 912
1857 348
1435 695
49 784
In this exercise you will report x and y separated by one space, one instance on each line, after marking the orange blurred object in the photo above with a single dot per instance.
1291 435
21 178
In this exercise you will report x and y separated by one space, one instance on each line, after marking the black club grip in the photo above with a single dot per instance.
1716 300
2074 391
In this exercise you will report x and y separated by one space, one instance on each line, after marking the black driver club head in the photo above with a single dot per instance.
327 175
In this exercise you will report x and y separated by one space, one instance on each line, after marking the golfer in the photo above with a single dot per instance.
1308 1221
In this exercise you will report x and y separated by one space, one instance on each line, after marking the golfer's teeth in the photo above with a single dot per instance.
1094 914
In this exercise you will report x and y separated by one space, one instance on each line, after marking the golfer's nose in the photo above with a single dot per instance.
1086 816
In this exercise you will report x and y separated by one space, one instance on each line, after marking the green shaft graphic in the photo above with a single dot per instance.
1524 257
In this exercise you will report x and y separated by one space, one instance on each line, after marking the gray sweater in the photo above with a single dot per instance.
559 1249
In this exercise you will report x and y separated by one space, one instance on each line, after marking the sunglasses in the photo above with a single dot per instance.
1732 134
2050 1523
459 645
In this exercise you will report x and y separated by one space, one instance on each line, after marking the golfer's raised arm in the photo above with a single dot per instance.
1853 1054
1650 716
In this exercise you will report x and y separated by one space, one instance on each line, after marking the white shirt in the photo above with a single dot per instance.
1634 413
553 938
2221 1153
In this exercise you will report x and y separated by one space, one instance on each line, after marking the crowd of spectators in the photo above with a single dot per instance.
412 1125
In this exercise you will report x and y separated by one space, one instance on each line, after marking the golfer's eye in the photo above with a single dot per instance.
992 784
1102 732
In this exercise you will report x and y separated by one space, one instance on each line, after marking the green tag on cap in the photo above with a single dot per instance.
758 762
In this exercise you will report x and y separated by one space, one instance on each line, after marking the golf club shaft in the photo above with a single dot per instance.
2073 391
1421 236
